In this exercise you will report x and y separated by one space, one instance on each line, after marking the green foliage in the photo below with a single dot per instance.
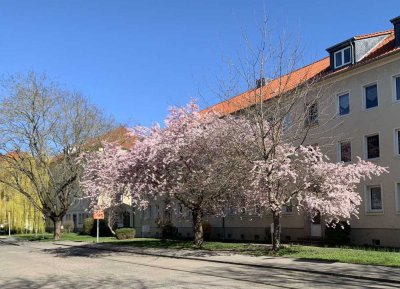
338 235
125 233
87 226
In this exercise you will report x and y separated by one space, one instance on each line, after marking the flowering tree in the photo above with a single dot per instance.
303 177
192 160
101 180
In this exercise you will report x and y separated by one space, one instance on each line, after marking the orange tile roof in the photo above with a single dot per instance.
274 87
120 135
290 81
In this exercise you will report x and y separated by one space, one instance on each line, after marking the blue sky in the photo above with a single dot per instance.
134 59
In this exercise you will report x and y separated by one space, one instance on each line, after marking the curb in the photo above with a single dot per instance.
357 277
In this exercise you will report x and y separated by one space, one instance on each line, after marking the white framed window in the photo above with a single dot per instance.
371 96
397 142
345 151
311 114
287 122
397 197
396 87
342 57
344 103
372 150
374 199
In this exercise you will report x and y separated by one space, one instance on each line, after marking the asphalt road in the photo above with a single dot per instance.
47 265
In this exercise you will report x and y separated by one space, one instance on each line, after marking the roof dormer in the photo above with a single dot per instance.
341 54
354 49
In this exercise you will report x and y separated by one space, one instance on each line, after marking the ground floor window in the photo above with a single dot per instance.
374 199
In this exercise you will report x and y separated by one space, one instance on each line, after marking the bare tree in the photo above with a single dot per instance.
43 129
285 104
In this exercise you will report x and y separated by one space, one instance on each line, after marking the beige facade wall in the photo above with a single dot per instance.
384 120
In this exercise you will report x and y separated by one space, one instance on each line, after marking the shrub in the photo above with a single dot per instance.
87 226
68 226
125 233
338 235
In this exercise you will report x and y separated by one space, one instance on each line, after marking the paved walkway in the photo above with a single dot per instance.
383 277
357 271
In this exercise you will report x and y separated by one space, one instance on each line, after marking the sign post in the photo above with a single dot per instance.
98 215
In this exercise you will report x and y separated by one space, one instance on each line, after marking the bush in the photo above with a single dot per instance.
68 226
338 235
87 226
125 233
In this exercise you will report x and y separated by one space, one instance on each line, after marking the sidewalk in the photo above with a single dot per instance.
354 271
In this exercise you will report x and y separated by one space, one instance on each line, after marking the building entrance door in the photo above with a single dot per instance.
316 231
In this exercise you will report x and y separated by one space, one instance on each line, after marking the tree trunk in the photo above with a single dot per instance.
57 229
276 236
110 223
198 227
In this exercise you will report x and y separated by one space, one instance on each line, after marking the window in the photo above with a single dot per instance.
374 199
344 104
80 218
287 122
342 57
312 114
372 146
345 151
287 209
371 96
397 87
397 141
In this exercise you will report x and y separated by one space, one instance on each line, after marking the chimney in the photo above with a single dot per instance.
396 27
261 82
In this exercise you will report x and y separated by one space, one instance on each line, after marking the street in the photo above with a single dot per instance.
48 265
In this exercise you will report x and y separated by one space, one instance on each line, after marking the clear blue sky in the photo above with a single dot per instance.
136 58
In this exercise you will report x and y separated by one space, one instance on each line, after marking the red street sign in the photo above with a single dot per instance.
98 215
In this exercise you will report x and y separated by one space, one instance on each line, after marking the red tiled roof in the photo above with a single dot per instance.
271 89
293 79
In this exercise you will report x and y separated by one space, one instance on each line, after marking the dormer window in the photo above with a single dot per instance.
342 57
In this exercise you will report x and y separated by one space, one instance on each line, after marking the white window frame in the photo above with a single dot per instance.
368 205
364 94
394 96
366 146
339 151
397 196
341 51
338 103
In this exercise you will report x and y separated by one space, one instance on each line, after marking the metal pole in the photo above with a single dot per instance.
97 239
9 223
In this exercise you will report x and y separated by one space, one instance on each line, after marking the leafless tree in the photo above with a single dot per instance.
43 129
285 104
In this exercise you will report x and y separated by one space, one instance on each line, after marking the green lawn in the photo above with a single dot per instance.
368 256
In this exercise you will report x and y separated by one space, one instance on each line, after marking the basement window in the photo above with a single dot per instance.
342 57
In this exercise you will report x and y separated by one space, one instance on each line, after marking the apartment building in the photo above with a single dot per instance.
361 117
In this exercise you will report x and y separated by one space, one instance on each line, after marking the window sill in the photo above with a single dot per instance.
371 108
374 213
373 159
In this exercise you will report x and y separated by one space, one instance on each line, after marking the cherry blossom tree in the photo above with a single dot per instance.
304 178
191 160
101 179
